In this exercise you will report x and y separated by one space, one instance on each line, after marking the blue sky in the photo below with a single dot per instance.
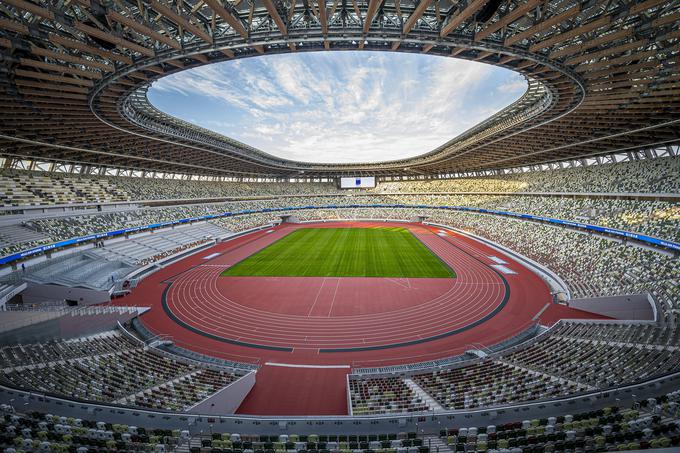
339 106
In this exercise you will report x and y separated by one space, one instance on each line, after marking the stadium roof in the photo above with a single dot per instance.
602 76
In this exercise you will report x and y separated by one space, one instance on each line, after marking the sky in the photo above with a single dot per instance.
339 107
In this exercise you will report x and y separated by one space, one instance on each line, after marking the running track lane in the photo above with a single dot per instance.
194 300
528 295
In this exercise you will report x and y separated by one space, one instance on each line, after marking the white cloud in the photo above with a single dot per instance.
339 107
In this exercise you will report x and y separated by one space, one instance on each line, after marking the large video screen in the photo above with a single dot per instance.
358 182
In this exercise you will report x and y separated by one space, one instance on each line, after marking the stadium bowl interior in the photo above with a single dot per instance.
164 287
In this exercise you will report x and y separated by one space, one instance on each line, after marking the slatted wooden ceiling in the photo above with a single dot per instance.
604 75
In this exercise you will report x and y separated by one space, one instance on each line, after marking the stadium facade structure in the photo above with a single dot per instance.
602 77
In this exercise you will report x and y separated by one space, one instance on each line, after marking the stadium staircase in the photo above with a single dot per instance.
424 396
187 446
437 445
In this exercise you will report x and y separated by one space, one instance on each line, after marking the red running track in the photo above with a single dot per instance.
339 321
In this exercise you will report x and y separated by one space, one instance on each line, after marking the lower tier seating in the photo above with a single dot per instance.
111 368
652 423
609 429
572 358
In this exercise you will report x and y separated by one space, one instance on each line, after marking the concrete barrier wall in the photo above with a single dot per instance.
67 325
227 400
36 293
628 307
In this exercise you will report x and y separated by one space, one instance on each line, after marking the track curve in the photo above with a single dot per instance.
202 300
310 320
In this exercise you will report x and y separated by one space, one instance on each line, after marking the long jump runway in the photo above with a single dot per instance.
340 322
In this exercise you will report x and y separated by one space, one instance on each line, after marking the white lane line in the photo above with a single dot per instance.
317 297
538 315
333 301
497 260
503 269
295 365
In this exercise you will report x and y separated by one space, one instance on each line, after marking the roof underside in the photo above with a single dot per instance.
603 76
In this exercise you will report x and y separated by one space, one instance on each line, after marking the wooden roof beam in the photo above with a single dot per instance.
585 67
71 59
70 43
507 59
607 52
200 57
509 18
113 39
323 18
578 48
180 20
373 6
271 9
53 78
143 29
51 87
461 17
415 15
543 25
31 8
175 63
59 68
483 55
233 21
567 35
11 25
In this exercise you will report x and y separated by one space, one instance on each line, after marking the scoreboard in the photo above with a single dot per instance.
358 182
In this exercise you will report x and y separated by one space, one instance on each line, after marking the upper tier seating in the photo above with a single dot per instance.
654 218
650 176
29 188
18 187
162 189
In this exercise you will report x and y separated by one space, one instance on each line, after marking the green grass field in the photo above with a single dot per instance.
344 252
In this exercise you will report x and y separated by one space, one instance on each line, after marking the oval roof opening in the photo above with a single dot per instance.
339 107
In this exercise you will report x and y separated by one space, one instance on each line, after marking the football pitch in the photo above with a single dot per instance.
344 252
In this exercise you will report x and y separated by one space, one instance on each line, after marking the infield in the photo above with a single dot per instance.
344 252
